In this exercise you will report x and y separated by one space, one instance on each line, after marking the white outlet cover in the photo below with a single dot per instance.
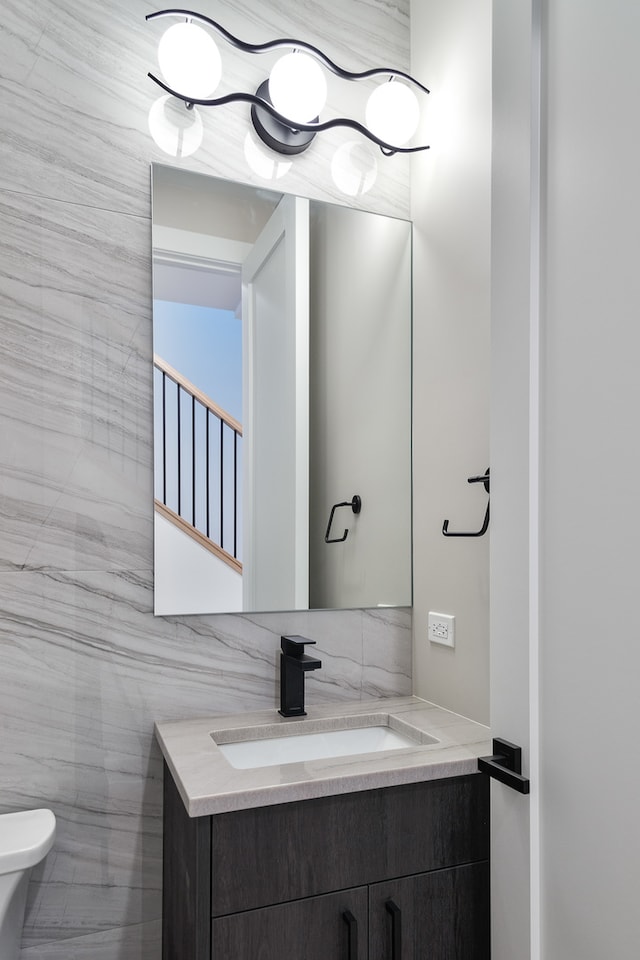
442 629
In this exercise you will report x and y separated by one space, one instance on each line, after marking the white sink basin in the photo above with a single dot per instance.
291 746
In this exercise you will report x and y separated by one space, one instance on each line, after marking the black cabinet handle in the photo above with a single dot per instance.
352 933
396 929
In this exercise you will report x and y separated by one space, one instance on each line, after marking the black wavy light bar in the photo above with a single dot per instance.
278 132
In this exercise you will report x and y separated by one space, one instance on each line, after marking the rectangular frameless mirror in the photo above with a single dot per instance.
282 400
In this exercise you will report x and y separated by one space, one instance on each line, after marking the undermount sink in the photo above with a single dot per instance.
292 745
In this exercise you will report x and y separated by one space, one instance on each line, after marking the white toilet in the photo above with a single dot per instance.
25 839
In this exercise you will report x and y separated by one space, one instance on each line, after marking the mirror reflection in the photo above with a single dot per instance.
282 401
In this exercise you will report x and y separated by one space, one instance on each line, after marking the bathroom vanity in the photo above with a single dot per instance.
380 855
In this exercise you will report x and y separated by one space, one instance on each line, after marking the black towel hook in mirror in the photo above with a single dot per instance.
485 523
356 505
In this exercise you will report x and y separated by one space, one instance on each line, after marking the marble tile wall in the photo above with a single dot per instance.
85 668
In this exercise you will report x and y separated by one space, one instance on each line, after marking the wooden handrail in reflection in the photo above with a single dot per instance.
194 391
196 535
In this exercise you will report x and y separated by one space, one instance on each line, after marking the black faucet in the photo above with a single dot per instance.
294 663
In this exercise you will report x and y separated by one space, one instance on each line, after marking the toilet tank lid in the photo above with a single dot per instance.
25 838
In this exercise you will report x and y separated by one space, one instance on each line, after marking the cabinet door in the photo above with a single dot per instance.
331 927
442 915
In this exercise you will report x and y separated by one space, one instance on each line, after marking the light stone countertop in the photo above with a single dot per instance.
209 784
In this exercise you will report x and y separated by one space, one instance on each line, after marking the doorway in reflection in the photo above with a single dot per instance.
198 429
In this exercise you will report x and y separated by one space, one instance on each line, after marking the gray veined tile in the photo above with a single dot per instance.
85 135
104 870
21 30
67 523
379 625
76 311
136 942
388 658
75 388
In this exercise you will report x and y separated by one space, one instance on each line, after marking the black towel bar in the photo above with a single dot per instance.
356 505
485 523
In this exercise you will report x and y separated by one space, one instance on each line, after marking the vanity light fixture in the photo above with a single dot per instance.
286 107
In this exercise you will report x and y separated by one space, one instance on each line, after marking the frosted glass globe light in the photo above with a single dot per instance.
176 130
262 161
393 113
354 168
190 60
298 87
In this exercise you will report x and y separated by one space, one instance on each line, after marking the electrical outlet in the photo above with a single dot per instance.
442 629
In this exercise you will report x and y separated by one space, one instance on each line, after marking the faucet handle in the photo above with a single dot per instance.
294 646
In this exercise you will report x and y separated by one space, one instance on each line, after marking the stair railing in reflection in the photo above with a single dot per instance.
198 450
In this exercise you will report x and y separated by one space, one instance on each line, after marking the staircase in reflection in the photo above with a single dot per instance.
198 464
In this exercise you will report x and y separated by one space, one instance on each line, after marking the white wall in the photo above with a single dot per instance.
188 578
451 190
590 619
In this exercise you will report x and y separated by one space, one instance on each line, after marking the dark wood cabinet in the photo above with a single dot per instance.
334 878
331 927
441 915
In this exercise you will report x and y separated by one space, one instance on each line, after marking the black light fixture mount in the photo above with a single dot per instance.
272 131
